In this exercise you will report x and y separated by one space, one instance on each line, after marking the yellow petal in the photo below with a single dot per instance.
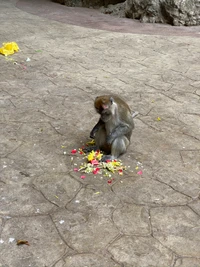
9 48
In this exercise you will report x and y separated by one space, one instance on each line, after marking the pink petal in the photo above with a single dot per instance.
95 171
73 151
140 172
83 176
94 162
75 169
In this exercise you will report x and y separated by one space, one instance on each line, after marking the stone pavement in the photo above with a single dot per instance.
46 110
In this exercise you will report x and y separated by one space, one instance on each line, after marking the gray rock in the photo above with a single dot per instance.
115 10
174 12
91 3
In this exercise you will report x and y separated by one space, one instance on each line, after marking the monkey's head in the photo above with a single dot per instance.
103 104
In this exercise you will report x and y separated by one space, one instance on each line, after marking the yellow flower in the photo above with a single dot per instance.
94 155
9 48
91 155
99 155
116 163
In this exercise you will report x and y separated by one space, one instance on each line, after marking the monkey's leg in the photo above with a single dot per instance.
119 147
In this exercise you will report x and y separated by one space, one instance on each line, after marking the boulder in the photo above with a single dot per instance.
174 12
88 3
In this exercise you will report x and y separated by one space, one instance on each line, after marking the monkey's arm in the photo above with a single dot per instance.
96 128
121 130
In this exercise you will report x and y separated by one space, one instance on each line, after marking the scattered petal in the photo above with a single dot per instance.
158 119
110 180
94 162
73 151
120 172
61 221
90 143
1 241
83 176
96 193
96 170
140 172
11 239
137 168
76 169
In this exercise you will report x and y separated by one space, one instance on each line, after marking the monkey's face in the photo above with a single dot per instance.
106 115
102 104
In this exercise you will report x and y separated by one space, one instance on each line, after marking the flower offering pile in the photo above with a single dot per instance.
94 165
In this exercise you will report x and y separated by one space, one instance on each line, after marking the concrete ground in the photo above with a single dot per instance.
150 216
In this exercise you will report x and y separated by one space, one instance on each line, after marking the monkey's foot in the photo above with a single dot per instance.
107 157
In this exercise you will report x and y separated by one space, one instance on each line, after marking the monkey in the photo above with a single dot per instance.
113 131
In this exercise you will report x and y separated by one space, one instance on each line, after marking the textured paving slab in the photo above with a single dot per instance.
91 18
46 110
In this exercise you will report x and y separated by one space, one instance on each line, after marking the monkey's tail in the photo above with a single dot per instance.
135 113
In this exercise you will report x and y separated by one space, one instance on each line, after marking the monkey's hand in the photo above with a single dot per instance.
110 138
89 149
96 128
121 130
92 134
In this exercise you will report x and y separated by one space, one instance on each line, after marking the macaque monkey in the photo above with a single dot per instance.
113 131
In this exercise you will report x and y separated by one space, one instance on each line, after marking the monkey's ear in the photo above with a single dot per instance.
111 100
